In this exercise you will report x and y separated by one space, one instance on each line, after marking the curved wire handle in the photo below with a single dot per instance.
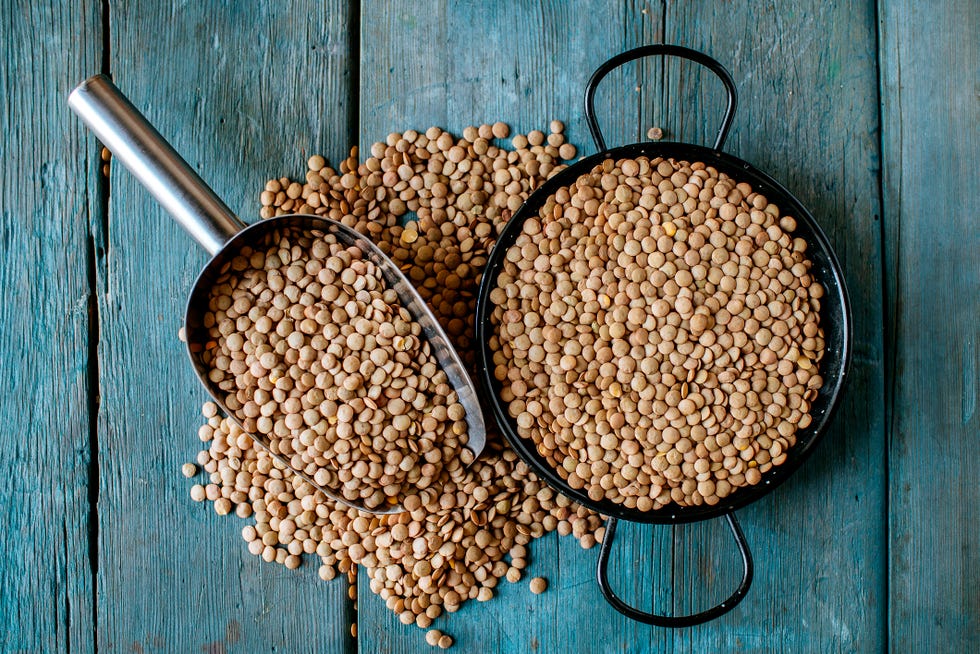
675 620
660 49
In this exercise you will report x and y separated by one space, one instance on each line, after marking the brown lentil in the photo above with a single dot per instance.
655 133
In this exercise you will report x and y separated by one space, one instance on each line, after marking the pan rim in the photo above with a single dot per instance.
833 282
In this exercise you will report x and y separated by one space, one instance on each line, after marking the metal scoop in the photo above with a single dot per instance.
141 149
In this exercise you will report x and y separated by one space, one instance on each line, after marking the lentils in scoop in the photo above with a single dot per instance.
316 355
657 333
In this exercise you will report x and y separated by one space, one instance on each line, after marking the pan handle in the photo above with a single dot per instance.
660 49
138 145
675 620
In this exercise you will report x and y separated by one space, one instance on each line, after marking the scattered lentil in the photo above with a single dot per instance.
197 493
453 542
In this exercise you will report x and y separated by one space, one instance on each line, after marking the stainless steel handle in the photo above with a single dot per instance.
138 145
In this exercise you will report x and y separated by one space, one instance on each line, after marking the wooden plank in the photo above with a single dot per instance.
244 91
48 191
458 64
807 78
930 66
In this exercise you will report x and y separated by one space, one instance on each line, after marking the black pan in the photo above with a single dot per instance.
835 319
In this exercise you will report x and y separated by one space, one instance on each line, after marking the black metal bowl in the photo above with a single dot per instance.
834 319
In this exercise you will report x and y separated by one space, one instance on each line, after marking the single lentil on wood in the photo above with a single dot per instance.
471 526
657 333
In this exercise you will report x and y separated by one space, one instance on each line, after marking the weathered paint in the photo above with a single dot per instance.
871 546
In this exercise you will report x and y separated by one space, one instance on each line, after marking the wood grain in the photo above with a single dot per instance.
930 67
871 546
457 64
47 195
808 116
821 580
244 91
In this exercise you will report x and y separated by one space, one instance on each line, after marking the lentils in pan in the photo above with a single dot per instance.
657 333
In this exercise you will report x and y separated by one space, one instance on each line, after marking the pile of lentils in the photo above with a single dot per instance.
657 333
471 526
316 356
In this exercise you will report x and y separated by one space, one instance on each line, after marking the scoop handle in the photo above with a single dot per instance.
140 148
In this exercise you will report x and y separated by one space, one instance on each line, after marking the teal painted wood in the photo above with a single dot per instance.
244 91
231 86
930 67
808 115
48 192
456 64
841 596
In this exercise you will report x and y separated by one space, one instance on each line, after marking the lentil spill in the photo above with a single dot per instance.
467 527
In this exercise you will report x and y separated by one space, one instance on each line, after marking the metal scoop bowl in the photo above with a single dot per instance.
140 148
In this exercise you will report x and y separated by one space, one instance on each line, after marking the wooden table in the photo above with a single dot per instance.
867 111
